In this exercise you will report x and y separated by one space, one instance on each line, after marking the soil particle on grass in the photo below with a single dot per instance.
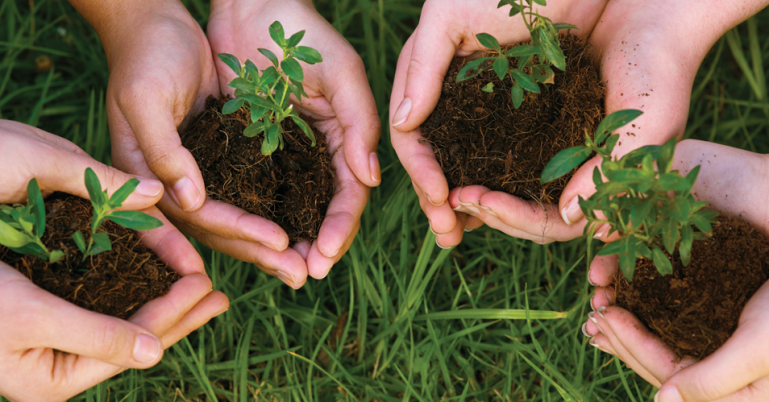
697 308
292 188
479 138
115 283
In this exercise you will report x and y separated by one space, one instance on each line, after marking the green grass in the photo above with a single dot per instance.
397 319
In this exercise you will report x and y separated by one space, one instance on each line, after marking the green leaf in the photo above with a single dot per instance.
635 157
661 261
134 220
665 159
670 235
679 209
102 243
79 241
597 177
252 70
242 84
307 55
611 142
613 122
295 39
293 69
489 88
473 68
525 81
517 94
305 127
260 102
297 89
254 129
564 162
12 238
550 50
692 176
702 223
270 55
56 256
488 41
541 2
559 26
639 212
233 105
542 73
98 199
611 248
278 35
269 76
627 257
522 51
271 140
231 61
685 247
117 199
36 206
501 64
672 182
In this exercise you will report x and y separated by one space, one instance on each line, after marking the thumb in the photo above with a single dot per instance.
152 123
434 48
65 171
581 184
71 329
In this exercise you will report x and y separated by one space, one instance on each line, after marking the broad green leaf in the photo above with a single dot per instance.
639 212
517 94
627 257
242 84
661 261
630 175
672 182
541 2
271 140
233 105
708 214
611 142
32 249
98 199
488 41
56 256
501 64
613 122
522 51
542 73
293 69
305 127
635 157
278 35
489 88
685 247
260 102
269 76
134 220
102 242
295 39
36 206
665 159
256 113
254 129
525 81
562 25
679 209
270 55
231 61
692 176
564 162
10 237
117 199
307 55
297 89
252 70
670 235
550 50
473 68
702 224
611 248
597 176
643 250
79 241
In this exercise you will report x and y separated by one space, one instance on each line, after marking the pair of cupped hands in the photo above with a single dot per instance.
648 53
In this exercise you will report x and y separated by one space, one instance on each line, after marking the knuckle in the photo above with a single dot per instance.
111 341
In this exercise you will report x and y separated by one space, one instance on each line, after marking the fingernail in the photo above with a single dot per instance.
431 200
668 394
402 113
222 312
590 281
592 306
468 230
571 214
146 348
584 330
287 278
373 163
492 213
599 235
187 194
439 245
592 342
149 187
590 316
600 311
473 210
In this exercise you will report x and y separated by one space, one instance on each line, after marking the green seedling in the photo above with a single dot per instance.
22 226
267 92
545 44
652 208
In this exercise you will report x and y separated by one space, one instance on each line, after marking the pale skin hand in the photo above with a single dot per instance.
739 370
161 72
340 100
35 323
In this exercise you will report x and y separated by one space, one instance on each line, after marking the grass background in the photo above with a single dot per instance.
398 318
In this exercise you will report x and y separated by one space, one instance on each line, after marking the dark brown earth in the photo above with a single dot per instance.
116 282
292 188
479 138
697 308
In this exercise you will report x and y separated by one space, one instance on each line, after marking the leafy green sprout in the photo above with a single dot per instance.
267 92
23 226
545 44
652 208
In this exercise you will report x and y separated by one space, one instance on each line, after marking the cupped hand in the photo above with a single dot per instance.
739 370
340 101
51 349
447 29
161 72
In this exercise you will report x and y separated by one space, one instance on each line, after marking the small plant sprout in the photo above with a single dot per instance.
544 44
22 226
267 92
651 208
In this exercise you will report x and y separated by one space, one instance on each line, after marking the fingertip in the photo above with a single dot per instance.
187 195
147 351
402 114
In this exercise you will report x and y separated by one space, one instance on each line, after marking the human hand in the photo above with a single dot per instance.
738 371
447 29
37 326
340 100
